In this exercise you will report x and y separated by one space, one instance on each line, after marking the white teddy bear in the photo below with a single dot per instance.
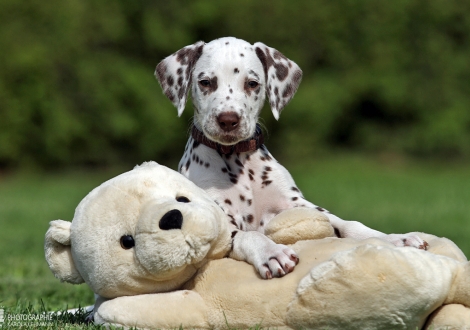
152 244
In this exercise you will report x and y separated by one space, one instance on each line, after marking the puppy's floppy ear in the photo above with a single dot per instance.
174 74
283 76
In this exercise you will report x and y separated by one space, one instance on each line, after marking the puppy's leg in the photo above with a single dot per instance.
358 230
270 259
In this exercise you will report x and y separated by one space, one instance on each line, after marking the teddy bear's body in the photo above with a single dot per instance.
174 272
352 290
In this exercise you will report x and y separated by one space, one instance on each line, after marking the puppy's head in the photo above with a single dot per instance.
229 79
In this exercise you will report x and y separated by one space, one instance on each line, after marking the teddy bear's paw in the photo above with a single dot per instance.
449 317
409 239
279 261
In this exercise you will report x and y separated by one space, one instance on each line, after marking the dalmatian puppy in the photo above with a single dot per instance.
225 154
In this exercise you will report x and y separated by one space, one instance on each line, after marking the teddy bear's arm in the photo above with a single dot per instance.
298 223
160 310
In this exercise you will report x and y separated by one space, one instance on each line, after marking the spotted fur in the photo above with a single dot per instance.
229 79
283 77
175 74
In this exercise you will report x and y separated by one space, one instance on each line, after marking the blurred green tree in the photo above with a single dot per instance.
77 85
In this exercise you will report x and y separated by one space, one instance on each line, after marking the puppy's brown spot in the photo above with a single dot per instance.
266 183
281 71
170 80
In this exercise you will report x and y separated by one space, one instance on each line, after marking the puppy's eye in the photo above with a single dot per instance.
252 84
204 83
127 242
182 199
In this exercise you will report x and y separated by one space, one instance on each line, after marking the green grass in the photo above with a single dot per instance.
391 196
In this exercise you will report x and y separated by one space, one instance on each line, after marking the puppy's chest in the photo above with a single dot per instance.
250 187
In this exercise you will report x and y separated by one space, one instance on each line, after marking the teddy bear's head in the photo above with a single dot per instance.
147 230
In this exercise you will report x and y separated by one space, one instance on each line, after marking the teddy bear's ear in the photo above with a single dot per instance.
59 254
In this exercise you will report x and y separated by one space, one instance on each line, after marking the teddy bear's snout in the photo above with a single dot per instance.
173 219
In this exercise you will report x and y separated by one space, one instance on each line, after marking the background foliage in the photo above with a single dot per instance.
77 85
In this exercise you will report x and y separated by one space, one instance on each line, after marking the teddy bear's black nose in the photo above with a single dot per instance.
171 220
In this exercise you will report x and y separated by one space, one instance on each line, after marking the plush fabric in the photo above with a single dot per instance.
175 272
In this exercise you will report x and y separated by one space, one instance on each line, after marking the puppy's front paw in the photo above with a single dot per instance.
407 240
276 260
269 259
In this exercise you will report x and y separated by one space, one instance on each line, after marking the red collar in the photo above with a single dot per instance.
251 144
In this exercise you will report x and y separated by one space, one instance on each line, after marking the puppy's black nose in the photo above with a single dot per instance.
171 220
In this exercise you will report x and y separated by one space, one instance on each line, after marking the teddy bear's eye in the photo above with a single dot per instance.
182 199
127 242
